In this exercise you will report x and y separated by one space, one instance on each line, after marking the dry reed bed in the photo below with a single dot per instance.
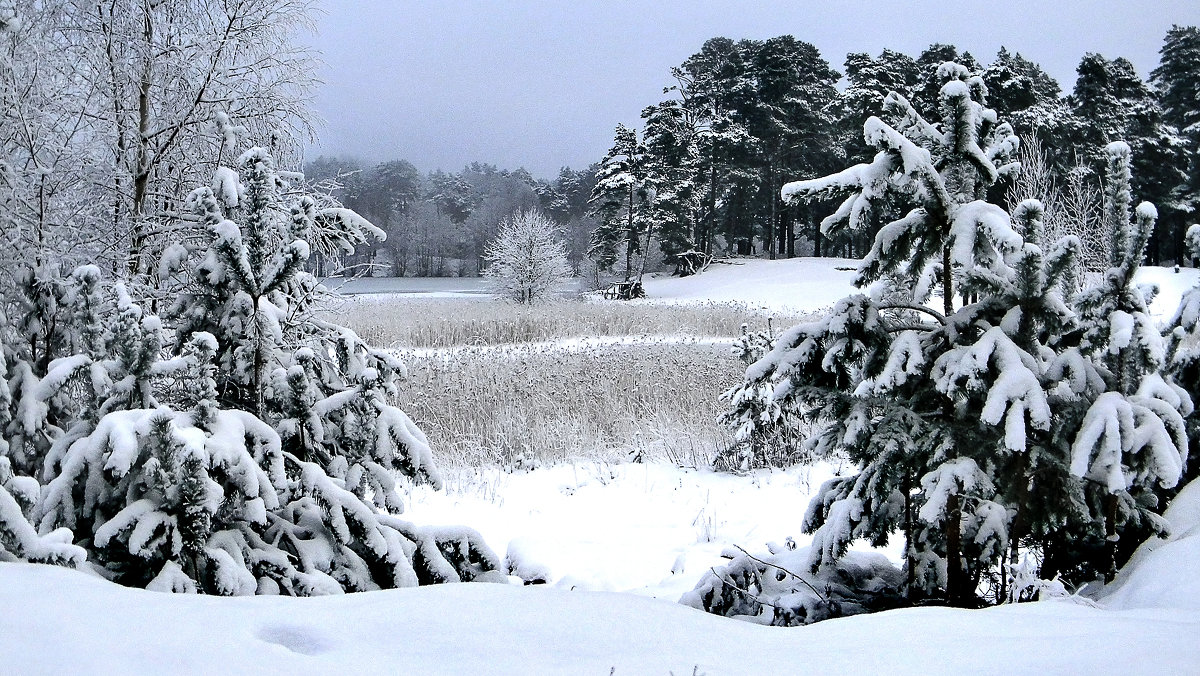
490 386
406 321
544 404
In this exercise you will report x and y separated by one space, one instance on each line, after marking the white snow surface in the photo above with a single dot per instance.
1165 573
795 284
651 529
813 284
603 527
786 285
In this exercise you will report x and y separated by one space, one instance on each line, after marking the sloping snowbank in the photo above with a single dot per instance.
812 284
56 621
1164 573
794 284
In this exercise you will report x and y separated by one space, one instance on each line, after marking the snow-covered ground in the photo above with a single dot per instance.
607 538
792 285
812 284
56 621
795 284
651 529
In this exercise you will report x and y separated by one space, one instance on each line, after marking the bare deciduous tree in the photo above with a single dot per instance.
1072 206
112 109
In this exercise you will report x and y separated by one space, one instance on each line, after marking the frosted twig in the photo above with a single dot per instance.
774 565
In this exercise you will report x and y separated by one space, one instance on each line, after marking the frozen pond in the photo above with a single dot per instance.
428 286
425 287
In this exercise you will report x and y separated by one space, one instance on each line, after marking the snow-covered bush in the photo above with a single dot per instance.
1018 417
239 445
527 260
779 589
765 434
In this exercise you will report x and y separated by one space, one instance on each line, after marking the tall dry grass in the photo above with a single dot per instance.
530 404
405 321
494 384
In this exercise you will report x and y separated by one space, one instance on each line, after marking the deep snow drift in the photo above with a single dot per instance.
55 621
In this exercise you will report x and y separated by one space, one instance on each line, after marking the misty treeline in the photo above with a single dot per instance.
438 224
703 174
701 177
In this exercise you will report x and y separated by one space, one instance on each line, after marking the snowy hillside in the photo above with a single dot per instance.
809 284
796 284
53 620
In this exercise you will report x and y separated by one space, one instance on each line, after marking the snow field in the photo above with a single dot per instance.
652 529
798 285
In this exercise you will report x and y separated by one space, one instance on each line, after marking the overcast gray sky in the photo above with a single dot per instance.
542 84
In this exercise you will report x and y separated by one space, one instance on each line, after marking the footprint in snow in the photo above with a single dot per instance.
296 638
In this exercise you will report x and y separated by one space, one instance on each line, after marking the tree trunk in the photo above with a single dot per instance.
630 238
790 232
956 579
256 378
1110 531
947 283
909 573
141 175
711 227
772 225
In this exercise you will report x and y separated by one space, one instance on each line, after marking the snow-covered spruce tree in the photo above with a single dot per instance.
527 260
949 417
1183 354
765 434
19 540
266 463
1132 443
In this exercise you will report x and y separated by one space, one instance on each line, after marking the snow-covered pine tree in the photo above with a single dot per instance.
1132 442
671 158
19 540
1183 354
1176 80
192 473
765 434
948 414
619 203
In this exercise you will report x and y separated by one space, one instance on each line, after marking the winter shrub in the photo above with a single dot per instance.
778 589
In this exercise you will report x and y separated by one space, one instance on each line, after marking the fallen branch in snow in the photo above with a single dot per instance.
728 581
775 565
